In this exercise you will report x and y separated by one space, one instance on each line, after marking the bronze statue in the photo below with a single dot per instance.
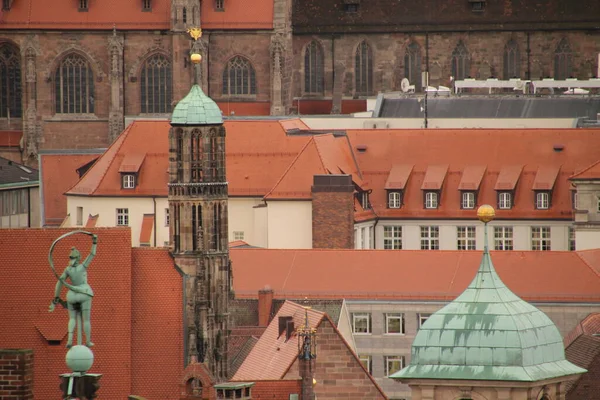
79 296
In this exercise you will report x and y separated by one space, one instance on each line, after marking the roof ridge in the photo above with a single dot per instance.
585 169
587 264
319 150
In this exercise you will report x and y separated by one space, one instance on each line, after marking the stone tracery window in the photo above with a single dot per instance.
460 62
363 69
156 85
10 81
412 64
563 60
74 86
313 68
511 60
239 78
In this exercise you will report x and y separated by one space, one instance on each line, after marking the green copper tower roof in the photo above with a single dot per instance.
196 109
488 333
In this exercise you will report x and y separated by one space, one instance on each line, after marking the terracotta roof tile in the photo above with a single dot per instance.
590 172
273 354
64 14
398 176
10 138
545 177
91 221
243 108
237 15
407 274
50 327
434 177
471 177
508 177
132 162
147 228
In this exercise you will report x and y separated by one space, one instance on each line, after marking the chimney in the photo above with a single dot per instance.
333 212
265 302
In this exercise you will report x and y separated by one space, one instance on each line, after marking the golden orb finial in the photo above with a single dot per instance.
196 58
486 213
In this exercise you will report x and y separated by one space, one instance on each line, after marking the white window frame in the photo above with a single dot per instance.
392 237
572 244
503 238
79 211
387 360
367 361
421 318
371 237
430 237
541 238
394 316
128 181
220 5
468 200
238 235
167 217
357 317
542 200
394 200
466 238
431 200
365 200
122 216
505 200
363 237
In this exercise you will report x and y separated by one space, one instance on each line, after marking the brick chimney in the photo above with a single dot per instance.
265 302
16 371
333 212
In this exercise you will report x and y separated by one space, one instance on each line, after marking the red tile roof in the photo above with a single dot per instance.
398 176
238 15
91 222
132 162
546 177
147 228
471 177
434 177
413 275
57 174
508 177
276 389
64 14
10 138
244 108
322 107
590 172
582 348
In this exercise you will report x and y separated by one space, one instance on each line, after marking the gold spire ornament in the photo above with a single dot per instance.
486 213
195 33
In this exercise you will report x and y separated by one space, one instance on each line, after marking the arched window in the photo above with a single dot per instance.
563 60
313 68
74 89
10 81
412 64
460 62
239 78
512 60
363 69
156 85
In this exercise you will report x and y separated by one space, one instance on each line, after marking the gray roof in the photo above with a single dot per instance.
491 107
332 308
15 174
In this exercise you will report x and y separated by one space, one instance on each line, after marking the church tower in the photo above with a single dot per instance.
198 224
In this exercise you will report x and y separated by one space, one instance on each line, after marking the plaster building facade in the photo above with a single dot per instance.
72 72
19 195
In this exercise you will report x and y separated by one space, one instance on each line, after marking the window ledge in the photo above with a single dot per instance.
74 117
394 334
362 334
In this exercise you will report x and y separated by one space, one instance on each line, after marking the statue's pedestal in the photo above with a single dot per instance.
84 386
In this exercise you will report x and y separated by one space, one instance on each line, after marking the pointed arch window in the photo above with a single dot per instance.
412 64
563 60
460 62
156 85
313 68
74 88
239 78
512 60
363 69
10 81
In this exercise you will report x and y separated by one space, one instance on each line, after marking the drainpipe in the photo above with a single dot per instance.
528 56
155 232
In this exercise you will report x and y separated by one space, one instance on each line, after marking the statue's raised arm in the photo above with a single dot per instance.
92 254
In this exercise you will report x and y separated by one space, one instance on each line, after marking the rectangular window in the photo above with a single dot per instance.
394 200
394 324
431 200
572 245
503 238
220 5
146 5
393 364
364 202
361 323
14 204
167 217
351 8
504 200
83 5
122 217
371 238
79 216
128 181
238 235
366 361
477 6
468 200
6 5
542 200
465 236
540 238
430 238
363 238
421 318
23 201
392 237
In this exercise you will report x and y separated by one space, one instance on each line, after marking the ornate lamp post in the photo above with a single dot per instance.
307 353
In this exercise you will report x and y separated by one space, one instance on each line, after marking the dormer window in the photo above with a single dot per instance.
128 181
219 5
83 5
146 5
542 200
467 200
431 199
364 199
394 199
504 200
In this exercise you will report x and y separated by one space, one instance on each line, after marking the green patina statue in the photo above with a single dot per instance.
79 296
